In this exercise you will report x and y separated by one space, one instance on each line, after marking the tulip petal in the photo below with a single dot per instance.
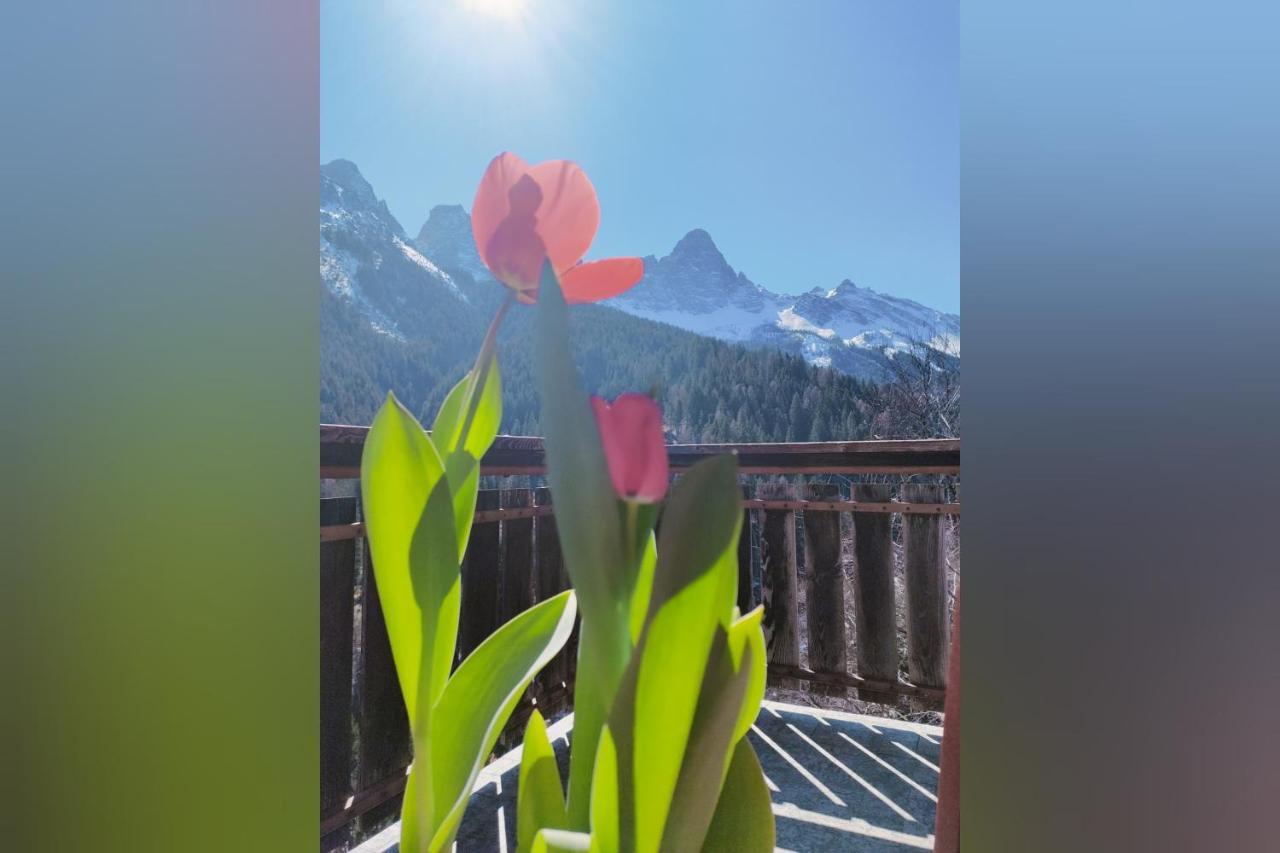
515 253
631 435
569 214
491 204
597 280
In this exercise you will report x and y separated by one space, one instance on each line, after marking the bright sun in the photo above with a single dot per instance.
508 10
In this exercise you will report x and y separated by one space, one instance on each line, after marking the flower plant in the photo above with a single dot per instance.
670 675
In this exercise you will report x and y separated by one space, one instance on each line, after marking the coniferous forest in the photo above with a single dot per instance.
711 391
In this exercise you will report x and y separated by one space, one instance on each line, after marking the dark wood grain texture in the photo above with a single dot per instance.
875 620
481 579
517 556
778 585
824 590
337 618
382 720
925 555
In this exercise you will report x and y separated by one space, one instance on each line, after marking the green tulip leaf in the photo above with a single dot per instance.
564 841
540 797
604 794
433 567
711 738
398 470
702 519
693 590
590 540
576 467
480 697
743 821
746 641
463 472
643 588
446 431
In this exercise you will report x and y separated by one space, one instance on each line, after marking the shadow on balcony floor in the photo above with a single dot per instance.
840 782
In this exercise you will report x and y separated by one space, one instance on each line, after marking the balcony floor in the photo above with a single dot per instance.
840 782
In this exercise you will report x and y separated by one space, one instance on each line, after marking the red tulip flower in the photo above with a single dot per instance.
523 215
631 432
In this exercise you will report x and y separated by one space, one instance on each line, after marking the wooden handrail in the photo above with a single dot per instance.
354 530
341 446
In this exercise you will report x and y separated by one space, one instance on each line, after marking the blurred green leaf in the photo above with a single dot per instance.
446 431
576 467
702 519
711 738
480 697
743 821
591 539
398 470
746 642
604 794
564 841
540 797
643 587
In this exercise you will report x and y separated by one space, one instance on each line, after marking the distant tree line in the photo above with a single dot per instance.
711 391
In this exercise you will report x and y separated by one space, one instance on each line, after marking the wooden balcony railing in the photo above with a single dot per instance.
793 550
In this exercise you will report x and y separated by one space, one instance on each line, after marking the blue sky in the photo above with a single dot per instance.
815 140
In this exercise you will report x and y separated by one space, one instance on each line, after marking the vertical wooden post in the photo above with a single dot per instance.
746 595
517 557
778 587
480 578
385 745
924 543
824 591
337 618
551 579
946 827
875 619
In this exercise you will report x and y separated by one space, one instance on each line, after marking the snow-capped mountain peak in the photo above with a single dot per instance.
849 326
447 239
365 258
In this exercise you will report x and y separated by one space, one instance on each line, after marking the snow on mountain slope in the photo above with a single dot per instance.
851 328
446 237
365 258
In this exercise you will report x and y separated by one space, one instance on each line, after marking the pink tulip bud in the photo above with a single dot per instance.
631 432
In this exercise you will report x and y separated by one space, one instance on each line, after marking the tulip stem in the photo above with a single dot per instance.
633 512
480 373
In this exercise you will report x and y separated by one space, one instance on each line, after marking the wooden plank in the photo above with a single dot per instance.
824 590
778 586
875 620
517 556
746 593
924 544
341 446
335 532
365 801
382 721
337 618
480 580
550 579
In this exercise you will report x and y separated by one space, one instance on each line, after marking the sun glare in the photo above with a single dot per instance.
507 10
